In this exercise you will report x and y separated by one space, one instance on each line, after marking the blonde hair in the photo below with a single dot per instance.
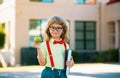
60 21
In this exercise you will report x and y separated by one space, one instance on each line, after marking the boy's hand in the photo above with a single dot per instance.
37 40
36 45
70 63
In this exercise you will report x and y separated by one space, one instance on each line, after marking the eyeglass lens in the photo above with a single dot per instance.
56 28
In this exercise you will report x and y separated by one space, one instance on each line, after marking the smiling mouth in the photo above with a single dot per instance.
55 33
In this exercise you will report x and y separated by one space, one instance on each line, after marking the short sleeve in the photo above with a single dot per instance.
67 46
43 49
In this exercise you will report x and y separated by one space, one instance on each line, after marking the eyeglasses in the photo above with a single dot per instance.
52 28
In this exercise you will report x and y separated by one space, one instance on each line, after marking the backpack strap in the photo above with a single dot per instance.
65 55
50 54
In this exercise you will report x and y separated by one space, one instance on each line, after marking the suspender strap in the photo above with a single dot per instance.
65 45
65 55
50 54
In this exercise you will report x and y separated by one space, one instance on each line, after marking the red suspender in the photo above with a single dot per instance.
65 45
50 54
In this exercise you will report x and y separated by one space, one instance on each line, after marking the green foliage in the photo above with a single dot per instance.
29 56
2 39
2 36
106 56
75 55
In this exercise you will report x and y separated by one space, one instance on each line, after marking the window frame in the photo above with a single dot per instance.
85 2
85 39
38 22
42 1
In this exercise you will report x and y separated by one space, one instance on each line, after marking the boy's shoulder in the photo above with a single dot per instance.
43 43
67 45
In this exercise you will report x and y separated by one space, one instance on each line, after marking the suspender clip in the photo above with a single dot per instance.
52 68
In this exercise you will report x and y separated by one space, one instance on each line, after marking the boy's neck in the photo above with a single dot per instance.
57 39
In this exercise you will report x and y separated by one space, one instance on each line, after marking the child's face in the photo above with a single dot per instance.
56 30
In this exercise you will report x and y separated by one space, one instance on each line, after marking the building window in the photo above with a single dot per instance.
49 1
36 29
85 35
85 1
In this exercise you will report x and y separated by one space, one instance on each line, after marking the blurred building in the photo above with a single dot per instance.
94 24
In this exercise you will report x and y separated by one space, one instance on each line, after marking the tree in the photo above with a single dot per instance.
2 42
2 37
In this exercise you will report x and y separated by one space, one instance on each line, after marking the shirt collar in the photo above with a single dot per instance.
52 40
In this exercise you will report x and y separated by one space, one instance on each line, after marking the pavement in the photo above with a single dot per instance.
97 70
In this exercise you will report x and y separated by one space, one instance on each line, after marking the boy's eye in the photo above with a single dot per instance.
56 28
59 28
53 27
